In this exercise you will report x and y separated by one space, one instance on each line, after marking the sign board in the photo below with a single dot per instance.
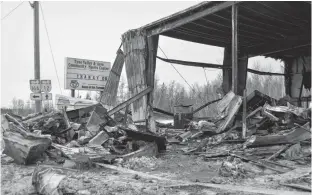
35 96
46 86
35 86
84 74
41 96
46 96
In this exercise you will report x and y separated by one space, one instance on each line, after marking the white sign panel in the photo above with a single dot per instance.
35 96
46 86
84 74
41 96
35 86
46 96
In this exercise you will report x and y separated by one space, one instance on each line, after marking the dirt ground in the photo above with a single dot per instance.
16 179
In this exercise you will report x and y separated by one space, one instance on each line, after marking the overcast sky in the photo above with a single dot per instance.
92 30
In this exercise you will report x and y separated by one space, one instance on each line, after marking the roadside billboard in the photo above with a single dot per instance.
82 74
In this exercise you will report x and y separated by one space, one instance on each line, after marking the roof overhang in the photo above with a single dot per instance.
270 28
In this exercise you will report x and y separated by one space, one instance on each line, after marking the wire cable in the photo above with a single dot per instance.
181 75
206 77
12 10
176 69
45 25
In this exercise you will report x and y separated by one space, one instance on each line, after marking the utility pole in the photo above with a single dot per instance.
37 49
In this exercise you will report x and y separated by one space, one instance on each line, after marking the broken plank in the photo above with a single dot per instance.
297 135
297 186
275 155
278 164
99 139
163 111
254 112
130 101
205 105
145 136
14 120
261 164
46 180
150 150
232 109
270 116
224 102
213 155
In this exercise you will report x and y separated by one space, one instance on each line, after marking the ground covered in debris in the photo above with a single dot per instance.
265 150
171 165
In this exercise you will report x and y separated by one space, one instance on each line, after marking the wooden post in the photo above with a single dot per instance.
287 70
37 49
152 44
72 93
135 48
244 114
227 73
234 49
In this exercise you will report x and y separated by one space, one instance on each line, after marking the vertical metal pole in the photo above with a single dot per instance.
234 49
37 49
73 93
244 114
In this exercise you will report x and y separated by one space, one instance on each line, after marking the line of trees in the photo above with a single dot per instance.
166 96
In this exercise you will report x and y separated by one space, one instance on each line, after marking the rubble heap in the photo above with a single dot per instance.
86 137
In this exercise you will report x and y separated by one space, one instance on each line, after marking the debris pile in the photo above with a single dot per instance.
274 132
89 136
75 139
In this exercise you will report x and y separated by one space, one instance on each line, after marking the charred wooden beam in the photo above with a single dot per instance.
195 64
150 150
295 136
149 137
217 66
275 155
163 112
130 101
189 18
205 105
108 97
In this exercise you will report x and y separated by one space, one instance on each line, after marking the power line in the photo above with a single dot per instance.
12 10
45 25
